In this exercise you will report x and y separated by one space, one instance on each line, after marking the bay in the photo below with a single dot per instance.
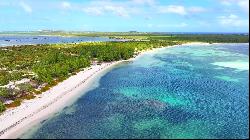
10 40
189 91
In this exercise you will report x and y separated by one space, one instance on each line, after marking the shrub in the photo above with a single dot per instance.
25 87
16 103
4 92
2 107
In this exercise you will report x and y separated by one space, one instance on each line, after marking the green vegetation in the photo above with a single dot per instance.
210 38
2 107
46 65
4 92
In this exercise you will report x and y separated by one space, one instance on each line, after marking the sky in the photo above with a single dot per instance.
125 15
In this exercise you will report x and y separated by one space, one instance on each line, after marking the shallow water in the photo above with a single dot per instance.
178 92
26 40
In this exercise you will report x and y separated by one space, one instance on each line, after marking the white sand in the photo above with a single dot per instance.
14 122
196 43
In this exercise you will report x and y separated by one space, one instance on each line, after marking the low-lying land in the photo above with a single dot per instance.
29 70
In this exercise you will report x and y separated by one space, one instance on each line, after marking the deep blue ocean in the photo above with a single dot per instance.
180 92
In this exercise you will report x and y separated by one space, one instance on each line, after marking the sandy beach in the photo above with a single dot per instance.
17 120
197 43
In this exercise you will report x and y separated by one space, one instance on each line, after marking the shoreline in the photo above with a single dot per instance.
47 104
16 121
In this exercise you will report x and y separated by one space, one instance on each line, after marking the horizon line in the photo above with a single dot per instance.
132 31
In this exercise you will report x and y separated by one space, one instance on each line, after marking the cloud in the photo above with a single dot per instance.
97 11
232 20
66 5
144 2
131 7
242 4
26 7
226 2
196 9
180 10
98 8
118 10
176 9
93 11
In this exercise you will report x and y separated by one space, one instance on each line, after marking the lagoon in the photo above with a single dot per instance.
189 91
10 40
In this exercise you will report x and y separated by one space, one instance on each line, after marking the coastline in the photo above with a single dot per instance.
14 122
33 111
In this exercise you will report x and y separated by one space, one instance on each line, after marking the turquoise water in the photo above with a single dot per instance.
180 92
